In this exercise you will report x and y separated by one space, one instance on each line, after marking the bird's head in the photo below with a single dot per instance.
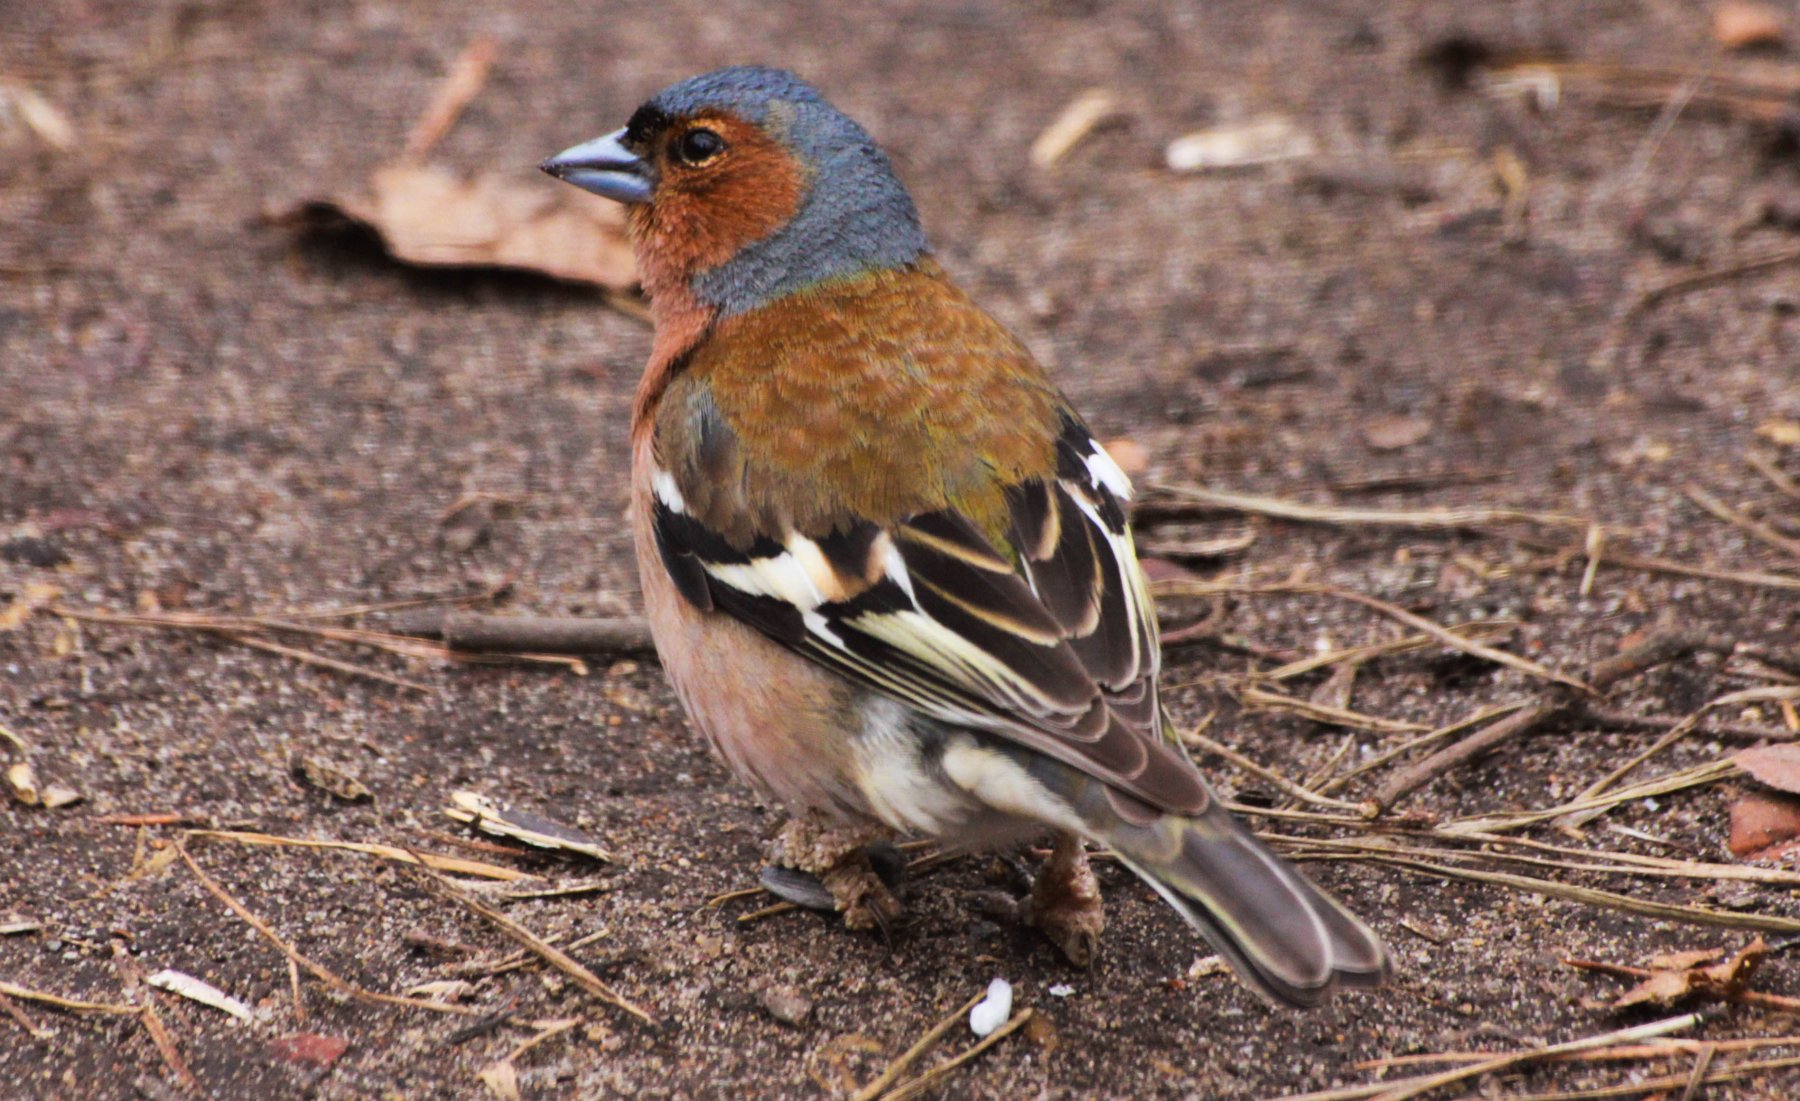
744 185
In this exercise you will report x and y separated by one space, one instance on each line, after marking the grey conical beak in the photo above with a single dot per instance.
605 167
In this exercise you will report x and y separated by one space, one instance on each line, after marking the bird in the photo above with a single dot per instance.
887 568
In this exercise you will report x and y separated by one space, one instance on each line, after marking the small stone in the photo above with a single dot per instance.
786 1004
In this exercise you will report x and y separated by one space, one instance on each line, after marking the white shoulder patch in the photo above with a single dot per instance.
663 484
1106 472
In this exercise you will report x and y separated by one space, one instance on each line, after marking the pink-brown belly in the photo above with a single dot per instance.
780 722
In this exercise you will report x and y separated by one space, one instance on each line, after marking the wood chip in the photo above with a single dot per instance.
199 990
1076 121
1247 145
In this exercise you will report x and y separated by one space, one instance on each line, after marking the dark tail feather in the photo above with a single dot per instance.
1279 932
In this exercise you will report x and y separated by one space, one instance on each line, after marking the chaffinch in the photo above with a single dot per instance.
886 566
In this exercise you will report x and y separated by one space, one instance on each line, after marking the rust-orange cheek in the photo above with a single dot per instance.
701 217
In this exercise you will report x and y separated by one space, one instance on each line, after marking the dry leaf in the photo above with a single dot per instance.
1263 141
199 990
1760 822
1741 24
1681 961
1676 976
1775 765
1391 433
426 215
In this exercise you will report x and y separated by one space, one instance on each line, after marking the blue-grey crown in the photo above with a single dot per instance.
854 216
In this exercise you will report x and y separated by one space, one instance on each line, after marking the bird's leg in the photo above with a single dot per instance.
1065 901
837 854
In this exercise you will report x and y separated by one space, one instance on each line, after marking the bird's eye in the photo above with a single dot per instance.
698 146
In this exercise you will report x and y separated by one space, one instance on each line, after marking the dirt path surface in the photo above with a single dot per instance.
202 412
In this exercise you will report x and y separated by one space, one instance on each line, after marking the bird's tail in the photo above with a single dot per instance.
1284 936
1281 934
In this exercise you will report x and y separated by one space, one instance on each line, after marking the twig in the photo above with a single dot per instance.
1682 729
1606 716
552 955
318 971
1286 786
467 76
1602 675
73 1005
1392 611
235 630
478 633
1480 629
1765 466
1413 1087
1732 516
931 1078
132 978
1701 279
23 1021
1256 698
1442 732
1610 900
911 1055
1429 519
1679 780
386 852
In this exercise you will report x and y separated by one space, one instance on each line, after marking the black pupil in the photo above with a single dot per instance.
698 145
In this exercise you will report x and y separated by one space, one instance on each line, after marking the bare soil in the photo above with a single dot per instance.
200 411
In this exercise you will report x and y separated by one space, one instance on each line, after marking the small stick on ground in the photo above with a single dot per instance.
911 1055
1652 564
933 1077
73 1005
1602 675
317 971
474 632
552 955
1413 1087
1765 466
1428 519
1283 784
1732 516
18 1015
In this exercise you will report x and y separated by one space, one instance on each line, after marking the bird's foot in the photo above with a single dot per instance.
1065 902
851 869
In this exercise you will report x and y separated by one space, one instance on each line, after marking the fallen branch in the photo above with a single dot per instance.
474 632
1602 675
